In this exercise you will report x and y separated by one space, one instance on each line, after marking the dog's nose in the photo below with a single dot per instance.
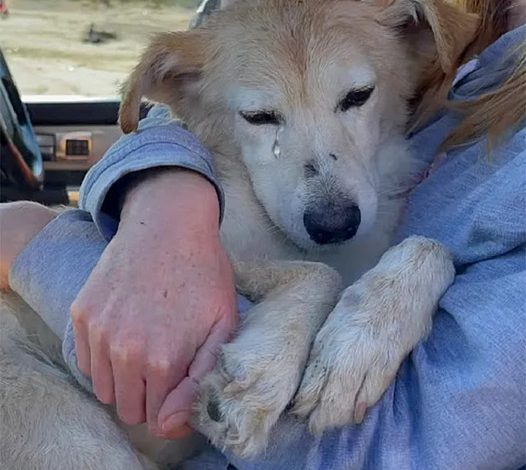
335 224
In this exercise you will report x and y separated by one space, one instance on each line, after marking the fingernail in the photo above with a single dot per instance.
173 421
168 424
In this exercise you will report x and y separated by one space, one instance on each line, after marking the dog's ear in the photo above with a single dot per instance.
452 29
169 68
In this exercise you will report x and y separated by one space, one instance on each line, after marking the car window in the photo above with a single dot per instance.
82 47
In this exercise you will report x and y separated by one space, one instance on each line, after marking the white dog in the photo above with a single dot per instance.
304 105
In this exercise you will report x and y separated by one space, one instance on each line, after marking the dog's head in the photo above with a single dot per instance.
313 94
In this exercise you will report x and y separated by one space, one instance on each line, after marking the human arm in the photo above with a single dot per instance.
169 220
159 144
167 241
164 293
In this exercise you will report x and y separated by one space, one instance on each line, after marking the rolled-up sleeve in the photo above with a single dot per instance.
159 142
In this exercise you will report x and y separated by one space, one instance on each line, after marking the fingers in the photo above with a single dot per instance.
101 368
93 355
117 377
130 387
130 398
206 356
177 406
115 371
164 375
80 331
178 432
140 382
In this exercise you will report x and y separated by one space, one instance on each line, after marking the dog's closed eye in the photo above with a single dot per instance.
355 98
261 118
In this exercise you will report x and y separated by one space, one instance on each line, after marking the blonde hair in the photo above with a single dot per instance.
492 114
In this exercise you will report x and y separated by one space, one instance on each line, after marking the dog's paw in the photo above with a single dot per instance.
244 396
350 367
354 358
374 326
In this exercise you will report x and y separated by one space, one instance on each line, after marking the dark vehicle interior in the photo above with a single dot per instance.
47 146
48 142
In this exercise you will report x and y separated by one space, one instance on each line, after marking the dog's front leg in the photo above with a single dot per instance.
377 322
259 372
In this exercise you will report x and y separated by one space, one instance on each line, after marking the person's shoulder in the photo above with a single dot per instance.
474 200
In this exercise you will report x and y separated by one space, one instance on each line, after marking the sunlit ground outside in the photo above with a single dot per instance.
50 51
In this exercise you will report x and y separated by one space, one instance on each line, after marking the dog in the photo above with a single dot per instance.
304 105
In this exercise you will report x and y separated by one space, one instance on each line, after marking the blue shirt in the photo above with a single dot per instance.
459 400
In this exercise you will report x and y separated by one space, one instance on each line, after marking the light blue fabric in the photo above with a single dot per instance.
50 272
459 400
159 141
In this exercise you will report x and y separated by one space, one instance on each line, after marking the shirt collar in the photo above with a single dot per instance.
491 67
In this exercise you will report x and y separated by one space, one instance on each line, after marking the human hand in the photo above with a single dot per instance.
19 222
158 304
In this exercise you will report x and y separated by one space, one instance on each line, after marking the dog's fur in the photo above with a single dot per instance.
297 59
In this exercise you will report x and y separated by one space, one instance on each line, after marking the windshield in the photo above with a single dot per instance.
82 47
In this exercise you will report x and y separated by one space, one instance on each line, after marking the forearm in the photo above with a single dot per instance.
50 272
54 264
160 146
179 202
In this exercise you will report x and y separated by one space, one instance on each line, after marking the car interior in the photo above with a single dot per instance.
48 143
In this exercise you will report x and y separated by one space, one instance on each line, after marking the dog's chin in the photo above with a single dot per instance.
316 249
302 241
308 246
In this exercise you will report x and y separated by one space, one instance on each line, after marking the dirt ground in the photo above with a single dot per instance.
43 43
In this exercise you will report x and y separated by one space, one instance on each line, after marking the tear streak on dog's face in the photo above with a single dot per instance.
311 95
